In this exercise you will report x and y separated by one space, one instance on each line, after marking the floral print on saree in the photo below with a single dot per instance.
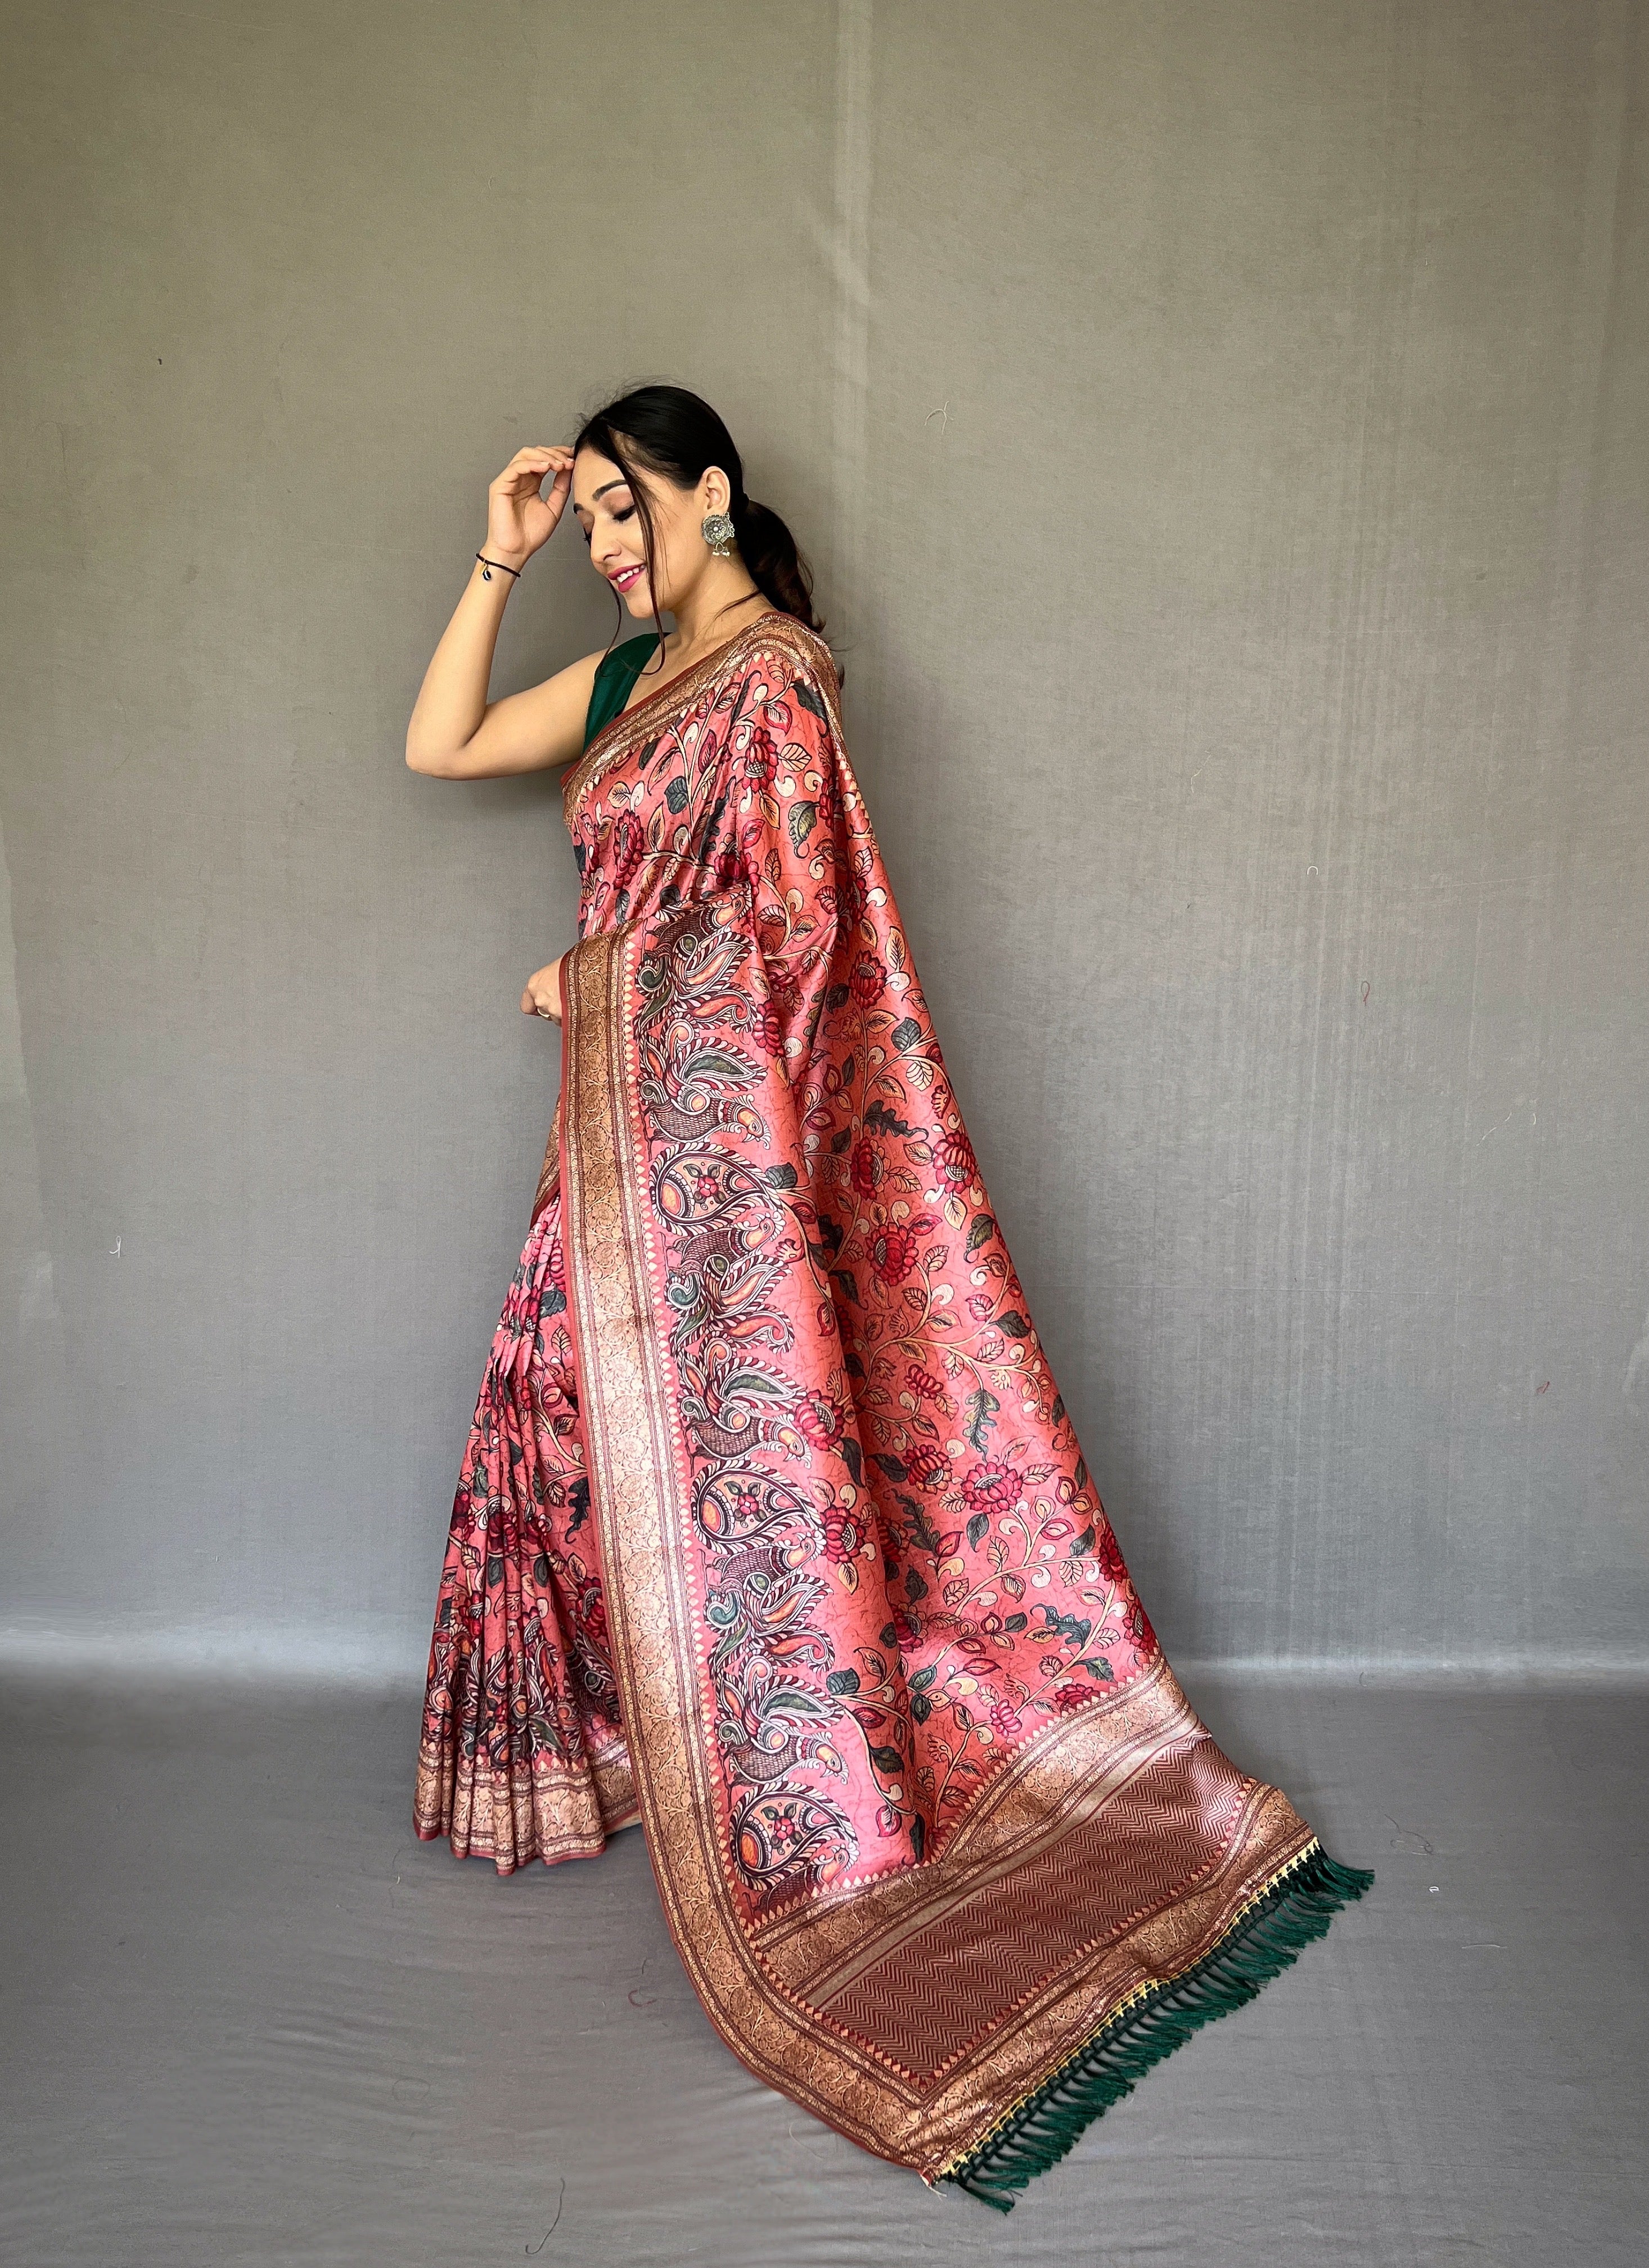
934 1828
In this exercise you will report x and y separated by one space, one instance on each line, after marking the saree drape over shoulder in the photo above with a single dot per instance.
773 1530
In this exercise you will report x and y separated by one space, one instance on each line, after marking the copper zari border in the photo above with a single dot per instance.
639 1482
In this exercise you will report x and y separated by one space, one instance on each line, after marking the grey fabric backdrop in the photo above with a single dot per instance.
1220 431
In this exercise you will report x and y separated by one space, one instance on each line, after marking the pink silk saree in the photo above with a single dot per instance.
772 1530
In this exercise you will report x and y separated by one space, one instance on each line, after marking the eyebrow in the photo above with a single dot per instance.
602 490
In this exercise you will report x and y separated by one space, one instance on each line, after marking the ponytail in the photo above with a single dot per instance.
776 567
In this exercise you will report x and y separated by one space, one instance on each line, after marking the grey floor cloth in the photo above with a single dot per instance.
251 2019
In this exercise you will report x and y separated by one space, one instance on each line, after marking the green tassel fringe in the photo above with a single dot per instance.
1266 1940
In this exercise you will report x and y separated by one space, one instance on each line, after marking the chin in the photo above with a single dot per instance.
638 601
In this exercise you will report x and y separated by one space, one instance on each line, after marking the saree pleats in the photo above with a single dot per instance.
786 1511
522 1754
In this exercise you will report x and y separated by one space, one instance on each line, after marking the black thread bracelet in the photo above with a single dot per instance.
514 572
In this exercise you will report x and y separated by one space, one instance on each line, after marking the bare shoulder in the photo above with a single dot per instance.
580 674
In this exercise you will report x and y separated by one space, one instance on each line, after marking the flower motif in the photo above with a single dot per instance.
867 980
990 1487
867 1167
822 1420
770 1031
1005 1721
1066 1697
630 846
893 1253
1108 1553
953 1154
764 752
928 1467
844 1533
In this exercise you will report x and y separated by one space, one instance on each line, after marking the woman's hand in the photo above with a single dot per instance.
542 996
520 520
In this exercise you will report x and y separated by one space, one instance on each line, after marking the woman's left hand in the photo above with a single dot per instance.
542 996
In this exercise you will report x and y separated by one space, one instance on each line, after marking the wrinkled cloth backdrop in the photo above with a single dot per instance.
1221 433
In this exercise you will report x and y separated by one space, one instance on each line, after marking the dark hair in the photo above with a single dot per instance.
668 432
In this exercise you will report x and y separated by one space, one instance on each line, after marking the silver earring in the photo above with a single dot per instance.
717 530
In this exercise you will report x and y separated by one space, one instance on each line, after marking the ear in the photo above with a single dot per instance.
715 489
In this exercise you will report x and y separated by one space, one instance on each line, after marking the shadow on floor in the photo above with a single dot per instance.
251 2019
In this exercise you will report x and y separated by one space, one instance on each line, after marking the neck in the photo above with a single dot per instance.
719 604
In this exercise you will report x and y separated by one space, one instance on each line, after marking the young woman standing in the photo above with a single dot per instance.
772 1531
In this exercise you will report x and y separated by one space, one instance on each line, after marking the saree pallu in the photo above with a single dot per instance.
773 1531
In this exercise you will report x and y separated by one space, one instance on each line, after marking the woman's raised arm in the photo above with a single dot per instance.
455 731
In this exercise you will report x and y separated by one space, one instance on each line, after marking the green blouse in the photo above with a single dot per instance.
615 674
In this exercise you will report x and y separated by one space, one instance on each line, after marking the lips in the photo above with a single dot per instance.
625 577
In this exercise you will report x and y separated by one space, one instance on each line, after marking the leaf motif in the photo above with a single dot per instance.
915 1588
978 1528
1014 1325
780 1177
852 1459
981 1408
809 700
849 1289
804 817
843 1681
905 1034
675 795
921 1526
892 1467
982 1230
717 1063
888 1761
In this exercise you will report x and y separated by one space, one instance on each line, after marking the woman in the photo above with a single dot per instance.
772 1531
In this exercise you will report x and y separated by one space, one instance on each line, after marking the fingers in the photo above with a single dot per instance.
528 468
542 996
